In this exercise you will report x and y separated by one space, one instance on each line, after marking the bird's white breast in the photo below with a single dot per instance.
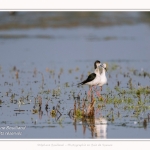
103 80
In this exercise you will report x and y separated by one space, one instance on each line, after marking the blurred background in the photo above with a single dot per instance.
89 33
26 20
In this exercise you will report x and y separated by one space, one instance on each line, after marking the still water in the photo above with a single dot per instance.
39 61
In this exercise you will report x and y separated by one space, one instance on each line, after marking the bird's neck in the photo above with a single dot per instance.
97 71
103 71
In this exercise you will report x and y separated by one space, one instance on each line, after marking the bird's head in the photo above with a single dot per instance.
97 64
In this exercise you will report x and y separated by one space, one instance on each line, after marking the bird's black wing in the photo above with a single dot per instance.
89 78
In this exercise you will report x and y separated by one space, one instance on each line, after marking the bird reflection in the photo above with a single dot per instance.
100 128
97 126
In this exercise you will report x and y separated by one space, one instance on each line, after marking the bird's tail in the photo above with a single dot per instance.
78 84
81 83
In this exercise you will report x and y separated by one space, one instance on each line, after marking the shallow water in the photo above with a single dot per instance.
54 59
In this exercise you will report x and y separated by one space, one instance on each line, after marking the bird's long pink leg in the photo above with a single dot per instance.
96 91
89 90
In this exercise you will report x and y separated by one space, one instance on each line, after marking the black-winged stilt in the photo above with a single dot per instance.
94 78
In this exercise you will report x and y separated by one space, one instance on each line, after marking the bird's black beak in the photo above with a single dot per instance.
103 67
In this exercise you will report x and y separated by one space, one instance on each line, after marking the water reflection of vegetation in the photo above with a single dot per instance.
86 114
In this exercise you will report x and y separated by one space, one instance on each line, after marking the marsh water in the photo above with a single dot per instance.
50 61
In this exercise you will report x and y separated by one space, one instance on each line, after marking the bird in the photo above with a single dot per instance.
103 78
100 127
94 78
